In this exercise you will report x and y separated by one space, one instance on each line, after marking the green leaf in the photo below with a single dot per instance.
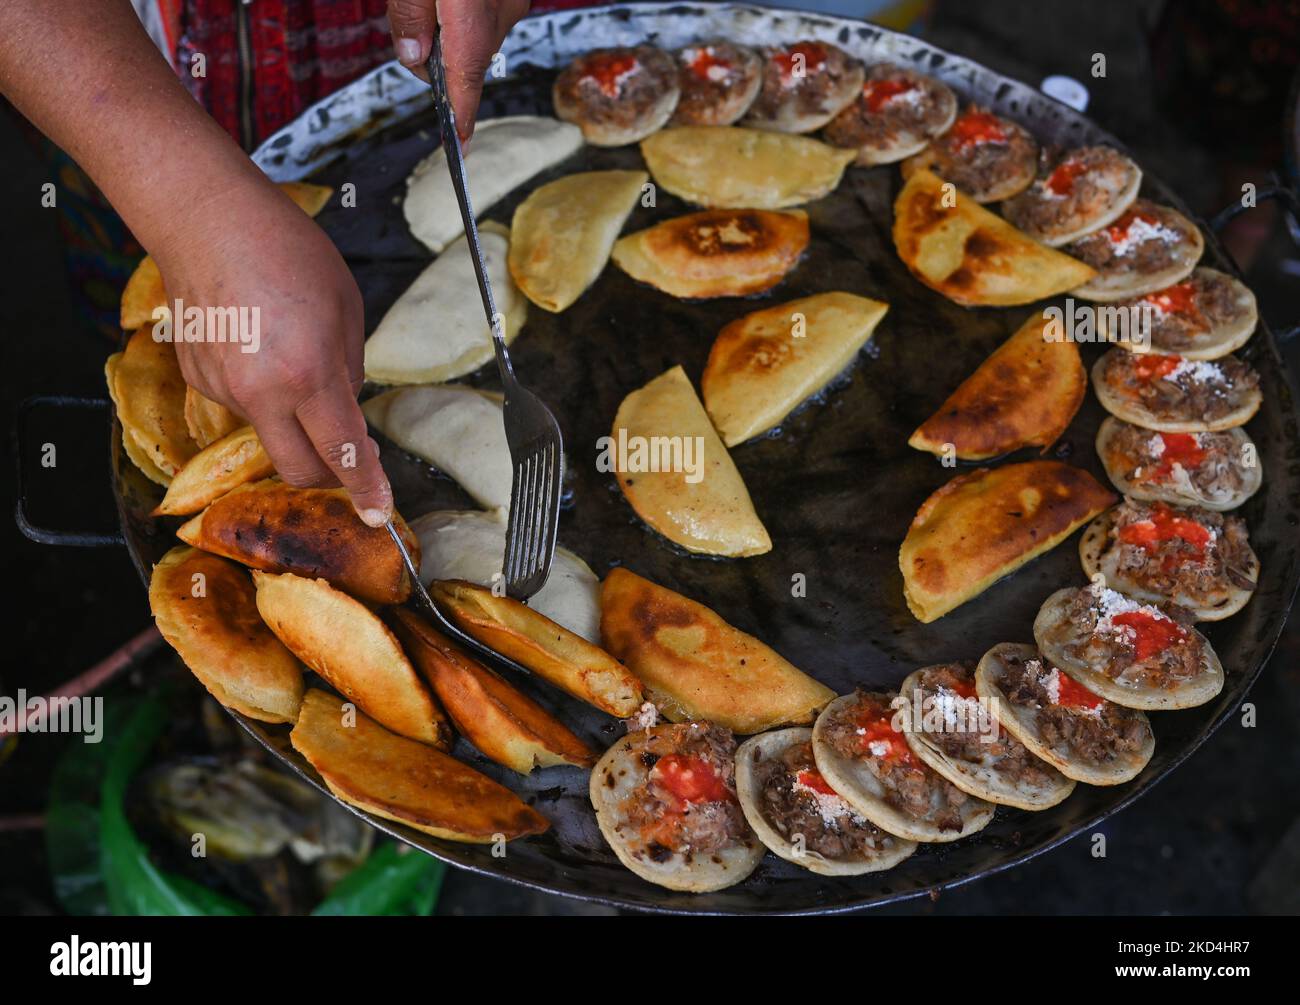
392 881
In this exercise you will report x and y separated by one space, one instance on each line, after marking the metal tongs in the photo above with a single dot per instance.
533 435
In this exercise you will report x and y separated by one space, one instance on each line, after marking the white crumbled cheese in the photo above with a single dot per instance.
1180 479
1109 604
832 808
911 96
952 706
645 717
1197 371
1156 446
1139 232
716 72
1052 684
880 748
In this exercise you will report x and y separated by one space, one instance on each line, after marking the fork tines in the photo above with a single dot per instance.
535 498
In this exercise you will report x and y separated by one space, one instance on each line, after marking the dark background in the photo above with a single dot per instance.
1198 106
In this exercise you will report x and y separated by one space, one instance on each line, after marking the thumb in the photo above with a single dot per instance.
412 23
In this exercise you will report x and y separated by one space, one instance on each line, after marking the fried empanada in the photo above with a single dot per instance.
206 609
504 724
398 779
232 461
549 650
986 524
762 366
345 642
729 167
678 476
694 665
1023 395
562 234
972 256
715 253
311 532
208 420
150 395
135 453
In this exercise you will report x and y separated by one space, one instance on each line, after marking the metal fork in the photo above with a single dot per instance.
533 435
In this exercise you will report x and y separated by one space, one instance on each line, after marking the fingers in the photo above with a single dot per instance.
412 22
287 444
333 421
469 38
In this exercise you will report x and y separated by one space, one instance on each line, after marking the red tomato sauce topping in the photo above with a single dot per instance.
705 61
607 69
1153 634
1164 525
1149 366
811 778
1181 449
964 688
1072 694
1177 299
689 779
1118 231
1061 181
877 727
975 128
813 55
878 93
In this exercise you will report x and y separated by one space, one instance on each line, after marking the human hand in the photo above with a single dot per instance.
471 32
253 248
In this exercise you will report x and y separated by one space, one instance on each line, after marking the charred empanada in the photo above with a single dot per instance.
1024 394
716 253
972 256
312 532
694 665
984 525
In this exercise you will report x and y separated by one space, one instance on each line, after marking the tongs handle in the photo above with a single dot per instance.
456 166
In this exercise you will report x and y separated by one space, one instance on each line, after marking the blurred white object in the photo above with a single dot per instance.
1066 90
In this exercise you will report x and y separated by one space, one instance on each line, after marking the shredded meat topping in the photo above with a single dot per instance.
916 112
1181 391
941 689
1096 737
828 826
1087 634
1174 567
910 787
1096 178
666 825
1139 456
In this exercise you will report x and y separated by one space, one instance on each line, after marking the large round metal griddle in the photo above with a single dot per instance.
837 485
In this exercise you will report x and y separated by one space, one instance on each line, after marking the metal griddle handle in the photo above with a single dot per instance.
31 529
1230 212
